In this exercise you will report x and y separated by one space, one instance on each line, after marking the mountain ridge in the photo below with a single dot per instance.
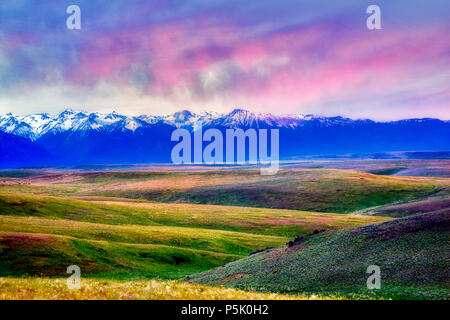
34 126
79 138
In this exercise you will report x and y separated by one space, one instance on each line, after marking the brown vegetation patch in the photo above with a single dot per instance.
60 178
20 240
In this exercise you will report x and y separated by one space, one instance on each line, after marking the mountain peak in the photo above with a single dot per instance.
182 116
66 112
239 111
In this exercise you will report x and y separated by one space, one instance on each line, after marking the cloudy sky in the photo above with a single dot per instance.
158 57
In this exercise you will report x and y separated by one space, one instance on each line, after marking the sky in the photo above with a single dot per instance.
282 57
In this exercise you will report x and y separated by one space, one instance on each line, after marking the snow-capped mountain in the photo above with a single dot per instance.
76 137
37 125
242 118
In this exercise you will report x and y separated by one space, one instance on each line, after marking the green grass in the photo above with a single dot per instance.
27 254
410 253
230 242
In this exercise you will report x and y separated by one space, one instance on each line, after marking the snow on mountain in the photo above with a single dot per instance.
243 118
37 125
13 124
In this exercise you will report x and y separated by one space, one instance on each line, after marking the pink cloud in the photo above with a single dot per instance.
319 62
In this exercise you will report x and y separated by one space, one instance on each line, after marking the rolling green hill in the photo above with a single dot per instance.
123 239
118 211
34 254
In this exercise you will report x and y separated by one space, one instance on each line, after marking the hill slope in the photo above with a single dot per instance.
412 253
117 211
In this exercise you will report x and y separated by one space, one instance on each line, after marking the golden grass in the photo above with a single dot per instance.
92 289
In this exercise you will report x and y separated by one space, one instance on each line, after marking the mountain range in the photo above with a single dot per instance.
76 137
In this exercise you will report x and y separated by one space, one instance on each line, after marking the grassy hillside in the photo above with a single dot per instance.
117 211
202 239
25 254
42 235
411 253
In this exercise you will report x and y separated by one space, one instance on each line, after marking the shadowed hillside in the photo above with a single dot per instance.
411 253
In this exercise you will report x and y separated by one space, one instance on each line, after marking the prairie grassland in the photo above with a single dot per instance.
119 211
169 225
92 289
123 239
323 190
231 242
